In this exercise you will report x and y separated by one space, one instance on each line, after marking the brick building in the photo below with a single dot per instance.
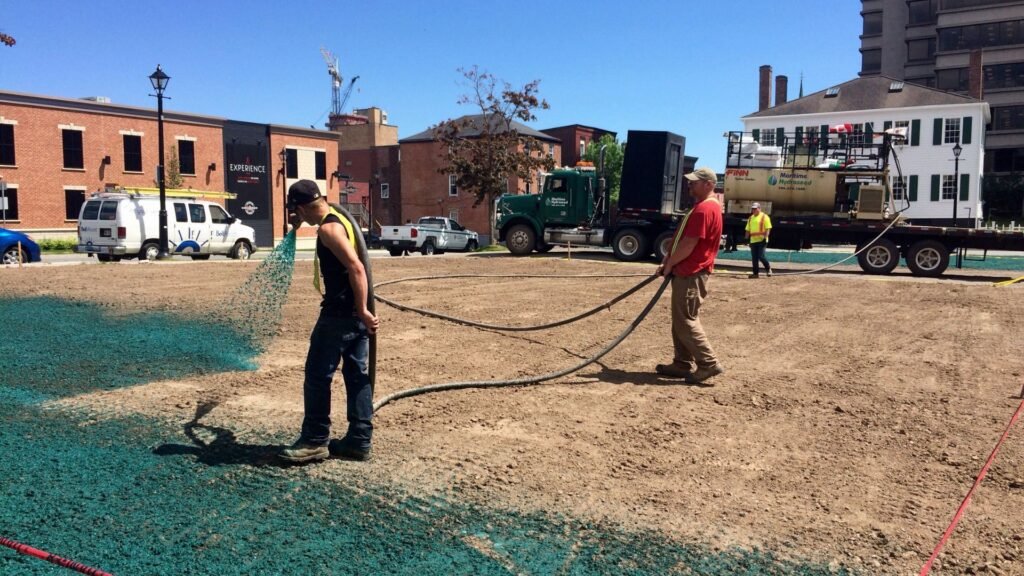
368 155
55 151
575 138
427 192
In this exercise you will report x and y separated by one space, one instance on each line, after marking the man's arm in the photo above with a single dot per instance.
336 239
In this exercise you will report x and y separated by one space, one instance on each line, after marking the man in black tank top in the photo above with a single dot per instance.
341 334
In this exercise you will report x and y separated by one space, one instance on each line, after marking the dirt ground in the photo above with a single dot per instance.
854 414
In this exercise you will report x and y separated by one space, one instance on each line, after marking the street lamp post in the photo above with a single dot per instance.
957 149
159 81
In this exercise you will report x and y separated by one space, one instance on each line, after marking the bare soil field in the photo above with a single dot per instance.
853 416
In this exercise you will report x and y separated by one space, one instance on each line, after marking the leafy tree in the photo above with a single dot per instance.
173 177
483 151
614 152
5 39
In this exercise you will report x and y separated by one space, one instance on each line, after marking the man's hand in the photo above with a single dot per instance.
369 320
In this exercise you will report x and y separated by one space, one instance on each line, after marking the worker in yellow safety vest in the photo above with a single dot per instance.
759 228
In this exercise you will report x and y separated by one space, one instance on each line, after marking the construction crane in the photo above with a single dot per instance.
332 69
348 92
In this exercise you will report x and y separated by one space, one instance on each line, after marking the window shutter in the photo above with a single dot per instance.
915 132
965 187
936 190
756 134
965 133
886 125
780 137
937 132
913 189
799 135
869 133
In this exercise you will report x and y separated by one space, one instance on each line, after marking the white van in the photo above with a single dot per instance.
115 225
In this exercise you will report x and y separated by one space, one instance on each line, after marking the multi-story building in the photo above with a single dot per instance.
936 43
369 159
55 151
427 192
575 138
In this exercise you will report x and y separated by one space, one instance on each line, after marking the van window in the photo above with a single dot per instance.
109 210
197 212
92 210
180 214
218 215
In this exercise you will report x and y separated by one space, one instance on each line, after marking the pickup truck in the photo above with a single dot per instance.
431 235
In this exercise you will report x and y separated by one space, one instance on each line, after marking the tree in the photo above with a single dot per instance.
173 176
614 152
5 39
484 151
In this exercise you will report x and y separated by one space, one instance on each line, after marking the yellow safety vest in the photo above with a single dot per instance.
682 226
316 257
757 232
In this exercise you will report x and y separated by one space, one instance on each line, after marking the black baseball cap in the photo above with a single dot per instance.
303 192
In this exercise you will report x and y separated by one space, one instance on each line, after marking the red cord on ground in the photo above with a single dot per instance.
967 499
42 555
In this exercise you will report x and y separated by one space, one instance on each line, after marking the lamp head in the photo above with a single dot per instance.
159 79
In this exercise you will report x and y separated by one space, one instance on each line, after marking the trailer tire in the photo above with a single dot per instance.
881 257
631 245
663 244
928 258
520 240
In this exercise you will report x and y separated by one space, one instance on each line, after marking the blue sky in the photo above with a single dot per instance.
685 66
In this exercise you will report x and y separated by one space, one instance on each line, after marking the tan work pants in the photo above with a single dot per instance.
688 338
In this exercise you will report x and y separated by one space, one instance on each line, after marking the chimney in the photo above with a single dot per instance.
764 95
974 88
781 87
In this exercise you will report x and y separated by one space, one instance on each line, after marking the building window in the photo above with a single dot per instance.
952 79
1006 160
72 141
1003 75
899 187
1008 118
872 24
987 35
811 135
291 163
870 61
132 153
905 125
8 202
922 49
948 186
320 157
187 157
951 131
73 200
768 137
922 11
583 148
928 81
385 191
453 190
957 4
551 150
857 135
7 144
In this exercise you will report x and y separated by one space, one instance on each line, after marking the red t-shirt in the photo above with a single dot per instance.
705 224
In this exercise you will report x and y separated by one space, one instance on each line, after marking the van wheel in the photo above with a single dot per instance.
200 256
149 251
241 250
427 249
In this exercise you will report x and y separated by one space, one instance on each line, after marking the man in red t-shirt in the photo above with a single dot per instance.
690 263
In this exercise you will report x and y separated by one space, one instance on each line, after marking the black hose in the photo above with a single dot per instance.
554 324
531 379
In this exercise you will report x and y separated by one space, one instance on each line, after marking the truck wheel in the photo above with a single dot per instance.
521 240
630 245
663 244
149 251
472 246
241 250
544 247
928 258
427 249
394 251
880 258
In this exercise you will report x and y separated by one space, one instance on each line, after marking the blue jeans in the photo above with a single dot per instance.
338 340
757 254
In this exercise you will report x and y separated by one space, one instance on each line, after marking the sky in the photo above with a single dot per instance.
686 66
